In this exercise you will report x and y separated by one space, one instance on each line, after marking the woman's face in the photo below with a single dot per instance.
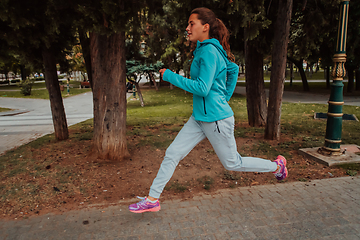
195 30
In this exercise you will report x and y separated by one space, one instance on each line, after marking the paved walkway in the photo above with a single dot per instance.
32 118
320 209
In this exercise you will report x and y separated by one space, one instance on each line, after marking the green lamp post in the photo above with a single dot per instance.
334 120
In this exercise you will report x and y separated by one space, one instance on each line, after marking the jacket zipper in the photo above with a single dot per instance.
204 105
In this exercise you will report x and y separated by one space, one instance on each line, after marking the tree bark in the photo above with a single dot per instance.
85 46
328 77
139 93
298 64
109 95
7 78
357 77
291 73
255 87
23 72
350 84
277 77
152 79
56 102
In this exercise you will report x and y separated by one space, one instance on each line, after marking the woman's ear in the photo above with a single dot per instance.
206 27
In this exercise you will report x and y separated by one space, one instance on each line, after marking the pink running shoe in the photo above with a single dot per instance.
144 206
282 173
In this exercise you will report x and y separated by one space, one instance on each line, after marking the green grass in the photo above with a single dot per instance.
315 87
163 107
206 182
168 110
315 76
227 175
4 109
39 91
176 187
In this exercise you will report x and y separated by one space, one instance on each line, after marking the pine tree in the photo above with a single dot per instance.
39 31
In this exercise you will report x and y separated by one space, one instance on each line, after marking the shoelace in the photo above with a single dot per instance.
142 202
278 173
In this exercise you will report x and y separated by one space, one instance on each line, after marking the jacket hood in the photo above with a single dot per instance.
215 43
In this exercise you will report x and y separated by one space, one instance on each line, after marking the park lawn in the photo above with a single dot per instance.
315 76
51 176
42 93
36 85
39 91
315 87
4 109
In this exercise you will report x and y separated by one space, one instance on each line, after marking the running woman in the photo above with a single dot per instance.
213 79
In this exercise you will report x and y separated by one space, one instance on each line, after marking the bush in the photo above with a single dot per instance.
26 87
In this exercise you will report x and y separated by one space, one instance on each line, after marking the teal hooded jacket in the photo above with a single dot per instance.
213 81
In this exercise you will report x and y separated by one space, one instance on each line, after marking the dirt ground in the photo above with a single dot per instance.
72 178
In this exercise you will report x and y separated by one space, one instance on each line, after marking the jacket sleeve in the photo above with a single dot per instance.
202 84
231 79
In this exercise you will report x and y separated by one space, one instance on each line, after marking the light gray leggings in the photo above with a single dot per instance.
221 137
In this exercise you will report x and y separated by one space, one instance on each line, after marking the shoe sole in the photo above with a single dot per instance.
155 209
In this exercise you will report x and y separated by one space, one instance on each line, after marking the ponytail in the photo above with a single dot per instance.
218 29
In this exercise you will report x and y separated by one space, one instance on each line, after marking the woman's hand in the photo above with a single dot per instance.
161 71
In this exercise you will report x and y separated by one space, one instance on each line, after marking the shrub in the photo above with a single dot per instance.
206 181
25 87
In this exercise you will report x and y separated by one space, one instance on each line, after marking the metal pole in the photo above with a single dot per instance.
336 102
134 91
68 87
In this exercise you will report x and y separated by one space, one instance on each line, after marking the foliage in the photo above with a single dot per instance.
26 86
313 30
353 40
30 26
135 69
75 59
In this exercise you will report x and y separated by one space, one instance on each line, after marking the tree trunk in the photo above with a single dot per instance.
109 95
291 73
357 76
56 102
277 77
23 72
137 86
255 87
7 78
85 46
298 64
350 84
152 79
328 77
